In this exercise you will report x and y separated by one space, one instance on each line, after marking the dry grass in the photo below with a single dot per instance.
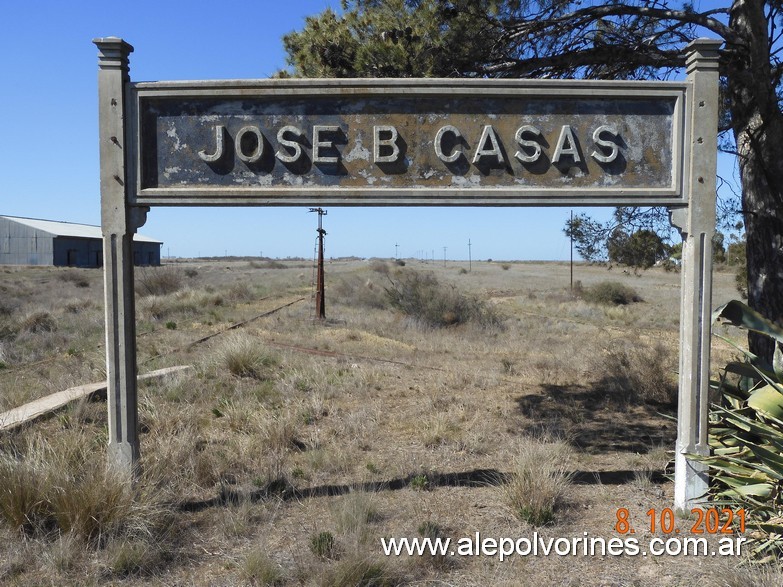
362 427
540 479
636 371
65 489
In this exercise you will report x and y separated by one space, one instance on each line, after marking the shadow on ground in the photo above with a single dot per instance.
475 478
596 422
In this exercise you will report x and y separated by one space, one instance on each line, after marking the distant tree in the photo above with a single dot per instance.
587 236
643 248
622 39
718 247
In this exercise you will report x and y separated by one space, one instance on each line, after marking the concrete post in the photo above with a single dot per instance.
119 223
697 226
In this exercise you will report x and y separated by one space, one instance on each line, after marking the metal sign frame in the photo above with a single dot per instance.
332 98
127 194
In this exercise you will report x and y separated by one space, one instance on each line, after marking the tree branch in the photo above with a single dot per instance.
596 13
582 58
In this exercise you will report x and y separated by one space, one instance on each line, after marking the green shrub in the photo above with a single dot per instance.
610 293
322 545
422 297
420 483
746 436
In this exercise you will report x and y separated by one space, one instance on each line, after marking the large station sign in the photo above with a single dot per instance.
408 142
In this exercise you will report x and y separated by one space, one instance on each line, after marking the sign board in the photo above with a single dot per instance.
409 142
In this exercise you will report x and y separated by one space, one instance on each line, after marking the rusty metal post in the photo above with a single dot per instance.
320 298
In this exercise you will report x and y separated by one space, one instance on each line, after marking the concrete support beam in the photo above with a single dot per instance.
697 226
119 222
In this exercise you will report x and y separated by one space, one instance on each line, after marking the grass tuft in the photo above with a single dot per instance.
259 569
67 489
323 545
360 571
539 480
243 356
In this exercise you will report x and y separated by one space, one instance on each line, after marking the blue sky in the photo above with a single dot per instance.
49 145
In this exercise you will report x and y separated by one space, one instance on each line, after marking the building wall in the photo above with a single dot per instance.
146 254
77 252
83 252
24 245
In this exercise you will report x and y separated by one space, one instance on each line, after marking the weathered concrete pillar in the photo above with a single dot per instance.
119 222
697 226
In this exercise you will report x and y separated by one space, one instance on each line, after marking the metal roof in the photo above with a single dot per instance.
70 229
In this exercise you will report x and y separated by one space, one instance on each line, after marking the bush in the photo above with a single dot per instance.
634 371
379 266
269 264
158 281
610 293
38 322
422 297
351 290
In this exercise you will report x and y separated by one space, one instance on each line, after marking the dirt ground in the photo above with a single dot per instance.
370 425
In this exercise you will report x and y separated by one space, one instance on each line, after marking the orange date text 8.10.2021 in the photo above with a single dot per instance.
707 521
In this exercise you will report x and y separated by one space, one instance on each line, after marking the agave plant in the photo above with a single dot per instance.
746 434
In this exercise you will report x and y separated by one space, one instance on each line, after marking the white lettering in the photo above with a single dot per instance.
255 155
455 154
319 143
389 143
605 144
219 132
488 135
523 155
294 145
566 138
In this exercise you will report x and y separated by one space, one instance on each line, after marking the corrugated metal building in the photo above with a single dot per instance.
29 241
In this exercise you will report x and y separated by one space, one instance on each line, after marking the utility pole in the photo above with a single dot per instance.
395 251
572 249
320 299
444 256
470 259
